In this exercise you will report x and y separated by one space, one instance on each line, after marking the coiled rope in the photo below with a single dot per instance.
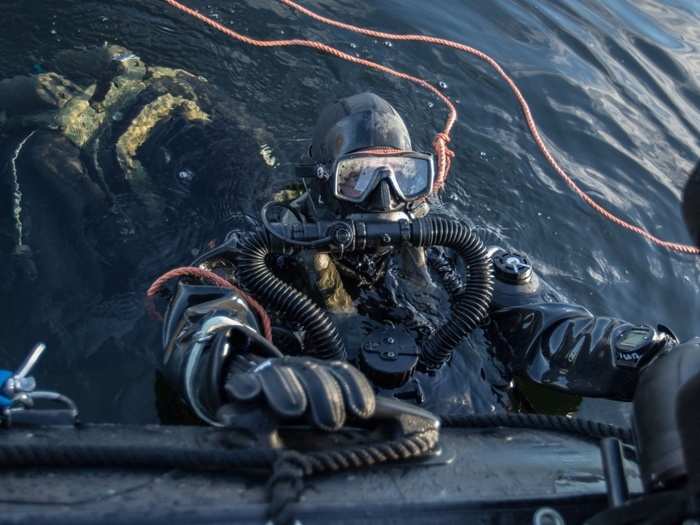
443 153
288 468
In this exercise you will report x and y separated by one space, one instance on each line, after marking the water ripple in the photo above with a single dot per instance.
613 85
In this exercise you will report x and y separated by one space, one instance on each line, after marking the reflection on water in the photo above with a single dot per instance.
613 86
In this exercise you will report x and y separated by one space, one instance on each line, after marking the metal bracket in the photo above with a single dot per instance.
18 395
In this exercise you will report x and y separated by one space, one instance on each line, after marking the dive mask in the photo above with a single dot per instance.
356 175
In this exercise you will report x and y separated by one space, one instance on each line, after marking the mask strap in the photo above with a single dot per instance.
318 171
381 151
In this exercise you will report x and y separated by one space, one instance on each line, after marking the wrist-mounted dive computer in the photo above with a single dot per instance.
634 346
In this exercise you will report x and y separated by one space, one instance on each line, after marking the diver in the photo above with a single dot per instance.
106 163
356 274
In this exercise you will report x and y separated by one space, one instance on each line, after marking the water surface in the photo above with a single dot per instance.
613 86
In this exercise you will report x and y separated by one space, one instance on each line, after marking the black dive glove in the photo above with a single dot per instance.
228 374
323 393
566 347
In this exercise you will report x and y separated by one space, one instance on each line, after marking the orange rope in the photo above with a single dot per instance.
534 131
443 153
206 275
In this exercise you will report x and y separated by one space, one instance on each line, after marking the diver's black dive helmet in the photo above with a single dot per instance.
363 157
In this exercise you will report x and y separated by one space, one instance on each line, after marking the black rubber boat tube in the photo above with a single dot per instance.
470 306
255 274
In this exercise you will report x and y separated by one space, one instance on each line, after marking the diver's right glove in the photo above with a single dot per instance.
228 374
322 393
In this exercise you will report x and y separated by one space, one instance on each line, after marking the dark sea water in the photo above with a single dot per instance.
614 86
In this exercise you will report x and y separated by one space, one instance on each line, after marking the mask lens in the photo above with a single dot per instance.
412 175
356 177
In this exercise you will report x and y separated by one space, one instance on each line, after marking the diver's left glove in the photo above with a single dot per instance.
322 393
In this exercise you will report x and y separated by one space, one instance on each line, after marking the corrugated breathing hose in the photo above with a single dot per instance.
470 306
255 274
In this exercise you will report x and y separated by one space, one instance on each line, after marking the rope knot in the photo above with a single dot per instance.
285 486
442 139
444 158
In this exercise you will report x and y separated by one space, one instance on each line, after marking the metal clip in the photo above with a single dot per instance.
21 382
18 393
209 330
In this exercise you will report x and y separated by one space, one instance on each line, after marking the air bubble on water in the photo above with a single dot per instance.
118 115
388 44
539 214
431 105
442 84
281 31
353 45
53 31
104 19
483 156
186 175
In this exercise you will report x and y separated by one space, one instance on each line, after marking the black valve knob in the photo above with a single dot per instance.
342 235
512 267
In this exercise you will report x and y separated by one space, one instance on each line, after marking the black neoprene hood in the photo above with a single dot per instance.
355 123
